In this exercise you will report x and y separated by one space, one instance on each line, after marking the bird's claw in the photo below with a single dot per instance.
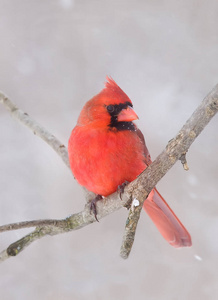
120 188
93 207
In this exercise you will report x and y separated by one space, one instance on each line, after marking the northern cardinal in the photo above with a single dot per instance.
106 149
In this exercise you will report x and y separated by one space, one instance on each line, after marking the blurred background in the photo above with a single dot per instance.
54 56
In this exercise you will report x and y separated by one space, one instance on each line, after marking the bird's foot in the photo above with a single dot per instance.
120 188
93 206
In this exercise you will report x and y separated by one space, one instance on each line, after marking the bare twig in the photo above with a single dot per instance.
174 151
138 189
184 162
36 128
54 227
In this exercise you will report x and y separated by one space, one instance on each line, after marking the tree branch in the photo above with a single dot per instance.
137 190
175 150
54 227
36 128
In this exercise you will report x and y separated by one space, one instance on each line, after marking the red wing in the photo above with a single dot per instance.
146 152
166 221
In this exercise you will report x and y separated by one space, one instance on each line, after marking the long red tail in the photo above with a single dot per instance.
166 221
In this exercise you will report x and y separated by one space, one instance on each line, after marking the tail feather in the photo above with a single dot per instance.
166 221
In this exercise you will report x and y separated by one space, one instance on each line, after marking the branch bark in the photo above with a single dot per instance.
175 150
138 189
36 128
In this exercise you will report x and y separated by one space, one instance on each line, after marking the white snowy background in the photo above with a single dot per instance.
54 56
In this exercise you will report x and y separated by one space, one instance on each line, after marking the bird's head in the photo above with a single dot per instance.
111 107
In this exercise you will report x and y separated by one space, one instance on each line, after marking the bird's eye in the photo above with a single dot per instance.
110 108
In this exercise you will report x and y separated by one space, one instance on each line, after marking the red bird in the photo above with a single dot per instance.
106 149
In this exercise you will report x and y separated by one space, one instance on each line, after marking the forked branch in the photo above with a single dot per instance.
138 189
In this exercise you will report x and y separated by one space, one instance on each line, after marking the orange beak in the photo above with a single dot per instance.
127 115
